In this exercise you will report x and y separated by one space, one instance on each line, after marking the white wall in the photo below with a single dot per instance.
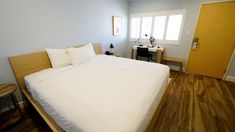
192 6
231 71
31 25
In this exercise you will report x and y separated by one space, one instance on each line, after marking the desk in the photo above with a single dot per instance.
158 51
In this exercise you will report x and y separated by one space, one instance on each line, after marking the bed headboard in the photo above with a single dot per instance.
24 65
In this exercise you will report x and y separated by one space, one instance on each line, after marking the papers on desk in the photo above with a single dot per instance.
152 49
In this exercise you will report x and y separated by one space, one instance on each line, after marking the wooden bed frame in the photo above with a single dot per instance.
24 65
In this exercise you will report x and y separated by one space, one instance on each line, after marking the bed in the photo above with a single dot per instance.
106 93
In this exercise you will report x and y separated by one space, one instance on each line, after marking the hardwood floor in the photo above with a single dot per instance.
197 104
192 104
30 121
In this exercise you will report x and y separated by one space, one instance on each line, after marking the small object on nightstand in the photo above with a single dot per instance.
110 50
8 89
111 47
108 53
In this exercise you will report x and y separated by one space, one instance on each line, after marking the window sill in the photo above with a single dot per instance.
158 43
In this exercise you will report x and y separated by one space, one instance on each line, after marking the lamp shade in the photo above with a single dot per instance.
111 46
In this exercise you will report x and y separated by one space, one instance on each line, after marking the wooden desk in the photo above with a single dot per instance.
159 52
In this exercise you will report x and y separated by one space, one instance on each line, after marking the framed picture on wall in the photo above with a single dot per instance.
117 25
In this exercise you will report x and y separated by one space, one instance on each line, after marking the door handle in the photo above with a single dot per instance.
195 43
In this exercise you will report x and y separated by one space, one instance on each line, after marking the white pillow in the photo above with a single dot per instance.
81 54
58 57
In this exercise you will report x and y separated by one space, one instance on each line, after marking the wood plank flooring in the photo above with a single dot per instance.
197 104
30 121
192 104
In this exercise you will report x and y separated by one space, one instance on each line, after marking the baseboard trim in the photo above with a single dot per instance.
21 104
230 78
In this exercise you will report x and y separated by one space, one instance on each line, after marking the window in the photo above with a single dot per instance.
135 26
173 27
166 27
146 26
159 27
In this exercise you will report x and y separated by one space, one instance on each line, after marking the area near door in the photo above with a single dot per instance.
214 40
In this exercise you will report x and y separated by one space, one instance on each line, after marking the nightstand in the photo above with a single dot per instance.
8 121
8 89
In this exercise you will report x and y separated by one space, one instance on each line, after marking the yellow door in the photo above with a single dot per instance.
215 34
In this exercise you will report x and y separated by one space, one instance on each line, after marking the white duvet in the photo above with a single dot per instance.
105 94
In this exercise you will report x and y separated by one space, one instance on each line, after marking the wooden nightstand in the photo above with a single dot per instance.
6 122
8 90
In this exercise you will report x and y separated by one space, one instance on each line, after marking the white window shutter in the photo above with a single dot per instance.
146 26
159 27
135 27
165 26
173 27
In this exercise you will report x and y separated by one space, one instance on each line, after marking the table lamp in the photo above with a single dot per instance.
111 47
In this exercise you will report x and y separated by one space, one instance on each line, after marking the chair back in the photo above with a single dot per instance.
144 52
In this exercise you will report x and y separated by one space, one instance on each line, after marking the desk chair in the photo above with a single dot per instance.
143 52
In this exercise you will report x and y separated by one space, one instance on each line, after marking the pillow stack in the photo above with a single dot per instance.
58 57
74 56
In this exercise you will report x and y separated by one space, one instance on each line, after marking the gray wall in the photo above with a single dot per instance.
192 6
31 25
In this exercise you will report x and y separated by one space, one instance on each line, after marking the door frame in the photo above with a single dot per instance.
195 26
229 64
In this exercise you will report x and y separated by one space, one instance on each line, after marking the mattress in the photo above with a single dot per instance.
104 94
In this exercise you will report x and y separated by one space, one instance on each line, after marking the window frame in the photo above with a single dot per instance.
153 15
